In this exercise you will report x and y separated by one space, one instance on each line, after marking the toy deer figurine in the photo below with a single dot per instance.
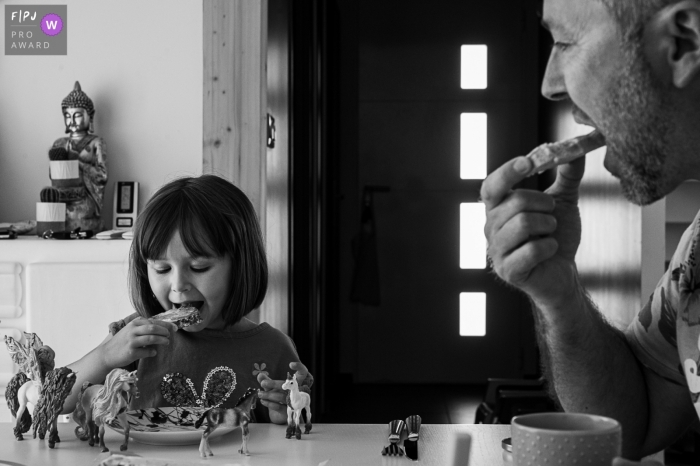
296 402
238 416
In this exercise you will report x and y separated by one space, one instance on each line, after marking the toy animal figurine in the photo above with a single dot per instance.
35 361
297 401
239 416
24 419
56 388
100 404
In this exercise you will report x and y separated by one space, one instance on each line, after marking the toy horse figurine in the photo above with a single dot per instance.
297 401
239 416
56 388
36 363
100 404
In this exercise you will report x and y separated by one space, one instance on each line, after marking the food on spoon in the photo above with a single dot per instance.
550 155
184 316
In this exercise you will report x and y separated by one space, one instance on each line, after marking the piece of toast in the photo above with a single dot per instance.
550 155
184 316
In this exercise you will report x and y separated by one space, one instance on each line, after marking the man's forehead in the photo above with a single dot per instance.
572 15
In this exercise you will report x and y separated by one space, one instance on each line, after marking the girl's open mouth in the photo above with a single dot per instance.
195 304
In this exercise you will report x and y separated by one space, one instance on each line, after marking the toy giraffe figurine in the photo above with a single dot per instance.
297 401
38 384
238 416
100 404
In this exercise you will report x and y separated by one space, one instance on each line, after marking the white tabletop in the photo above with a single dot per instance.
342 444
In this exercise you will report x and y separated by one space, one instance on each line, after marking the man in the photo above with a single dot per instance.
631 68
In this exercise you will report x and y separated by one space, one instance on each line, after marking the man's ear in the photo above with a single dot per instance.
673 39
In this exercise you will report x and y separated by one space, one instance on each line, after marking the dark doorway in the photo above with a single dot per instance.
376 103
314 190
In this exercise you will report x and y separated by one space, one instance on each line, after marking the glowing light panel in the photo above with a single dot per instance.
474 73
472 314
472 242
472 146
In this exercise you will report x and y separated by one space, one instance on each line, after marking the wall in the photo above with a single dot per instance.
141 64
681 208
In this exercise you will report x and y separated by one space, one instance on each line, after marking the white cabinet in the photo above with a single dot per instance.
66 291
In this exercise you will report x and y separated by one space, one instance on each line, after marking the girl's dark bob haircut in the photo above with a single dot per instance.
214 219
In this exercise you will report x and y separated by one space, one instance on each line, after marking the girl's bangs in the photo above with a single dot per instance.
199 233
156 237
199 236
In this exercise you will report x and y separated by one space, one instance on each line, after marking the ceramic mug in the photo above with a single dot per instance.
566 439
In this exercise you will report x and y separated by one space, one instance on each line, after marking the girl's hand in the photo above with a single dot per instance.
138 339
624 462
274 398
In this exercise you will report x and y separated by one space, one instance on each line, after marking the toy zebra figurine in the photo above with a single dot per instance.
239 416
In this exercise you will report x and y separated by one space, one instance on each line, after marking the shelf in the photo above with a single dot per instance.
31 249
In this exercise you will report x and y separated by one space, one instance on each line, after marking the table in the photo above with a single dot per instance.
342 444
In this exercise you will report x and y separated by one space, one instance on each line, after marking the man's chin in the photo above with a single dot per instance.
639 194
611 166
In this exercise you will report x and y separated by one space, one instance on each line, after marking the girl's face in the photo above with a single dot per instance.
204 282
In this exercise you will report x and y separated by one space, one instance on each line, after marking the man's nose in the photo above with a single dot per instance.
553 85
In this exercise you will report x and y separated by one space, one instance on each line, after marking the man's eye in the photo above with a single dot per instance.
561 45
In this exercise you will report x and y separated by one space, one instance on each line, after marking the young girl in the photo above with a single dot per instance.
197 241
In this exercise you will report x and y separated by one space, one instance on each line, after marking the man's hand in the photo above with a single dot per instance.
533 236
274 398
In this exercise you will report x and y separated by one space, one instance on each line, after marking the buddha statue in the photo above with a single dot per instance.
82 191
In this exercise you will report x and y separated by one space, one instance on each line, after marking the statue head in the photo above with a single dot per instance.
78 111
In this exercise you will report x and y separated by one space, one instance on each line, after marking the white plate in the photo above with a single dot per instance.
167 426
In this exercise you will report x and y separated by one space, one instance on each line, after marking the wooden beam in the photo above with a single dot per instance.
235 130
235 95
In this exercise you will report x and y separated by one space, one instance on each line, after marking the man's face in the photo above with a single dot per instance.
76 120
610 82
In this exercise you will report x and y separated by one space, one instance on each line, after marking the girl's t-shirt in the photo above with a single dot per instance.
211 367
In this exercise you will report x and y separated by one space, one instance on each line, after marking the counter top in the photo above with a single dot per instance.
342 444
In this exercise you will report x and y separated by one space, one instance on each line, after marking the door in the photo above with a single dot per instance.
409 105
